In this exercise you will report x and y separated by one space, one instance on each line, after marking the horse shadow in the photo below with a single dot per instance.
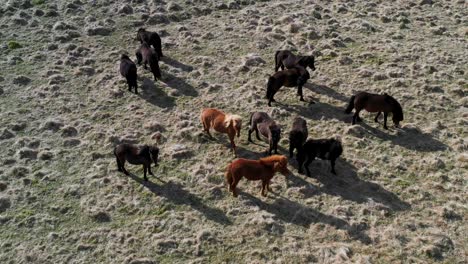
178 195
177 64
298 214
156 96
318 111
410 138
180 85
323 89
350 187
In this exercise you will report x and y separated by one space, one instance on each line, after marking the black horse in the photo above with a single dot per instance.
128 70
326 149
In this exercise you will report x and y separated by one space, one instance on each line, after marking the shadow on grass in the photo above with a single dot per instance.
177 64
349 186
323 89
298 214
155 95
179 84
176 194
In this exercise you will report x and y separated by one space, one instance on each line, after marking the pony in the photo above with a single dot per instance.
375 103
296 76
128 70
146 55
255 170
136 154
297 136
224 123
326 149
285 58
152 38
261 121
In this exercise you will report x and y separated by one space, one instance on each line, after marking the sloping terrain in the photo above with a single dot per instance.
400 195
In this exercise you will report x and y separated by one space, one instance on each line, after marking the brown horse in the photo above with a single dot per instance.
146 55
375 103
255 170
152 38
128 70
285 58
223 123
296 76
263 123
136 155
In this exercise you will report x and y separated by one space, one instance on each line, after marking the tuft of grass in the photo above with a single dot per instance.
14 45
38 2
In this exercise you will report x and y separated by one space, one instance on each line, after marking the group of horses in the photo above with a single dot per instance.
293 74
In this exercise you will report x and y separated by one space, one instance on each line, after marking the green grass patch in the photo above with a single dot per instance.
38 2
14 45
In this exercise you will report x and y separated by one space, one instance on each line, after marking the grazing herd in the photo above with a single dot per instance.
293 74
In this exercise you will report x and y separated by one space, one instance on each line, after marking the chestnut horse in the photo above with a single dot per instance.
223 123
375 103
255 170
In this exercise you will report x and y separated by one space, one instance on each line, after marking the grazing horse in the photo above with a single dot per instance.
326 149
261 121
152 38
146 55
285 58
375 103
255 170
296 76
135 154
128 70
223 123
297 136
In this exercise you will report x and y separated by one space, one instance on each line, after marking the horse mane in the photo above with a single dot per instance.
228 118
141 30
271 159
144 149
124 56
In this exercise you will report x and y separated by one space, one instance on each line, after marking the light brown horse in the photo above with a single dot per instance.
223 123
255 170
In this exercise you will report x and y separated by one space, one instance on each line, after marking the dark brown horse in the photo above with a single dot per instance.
297 136
128 70
146 55
261 121
136 155
296 76
285 58
325 149
152 38
255 170
375 103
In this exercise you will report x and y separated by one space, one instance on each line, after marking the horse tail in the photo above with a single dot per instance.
350 105
270 87
228 176
276 59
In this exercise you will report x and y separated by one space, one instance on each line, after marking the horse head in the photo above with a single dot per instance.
281 165
235 122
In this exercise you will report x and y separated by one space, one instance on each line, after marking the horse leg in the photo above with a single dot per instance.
376 119
233 145
119 166
385 115
356 116
256 134
122 166
299 92
264 185
206 128
291 150
309 160
250 132
149 170
333 166
144 172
